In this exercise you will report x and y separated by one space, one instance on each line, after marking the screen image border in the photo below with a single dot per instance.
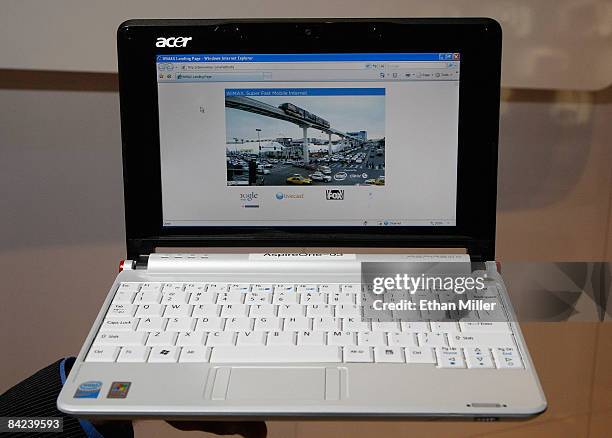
477 40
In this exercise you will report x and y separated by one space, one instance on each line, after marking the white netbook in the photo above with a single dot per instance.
306 134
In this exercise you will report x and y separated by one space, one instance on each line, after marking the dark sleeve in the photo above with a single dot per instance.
36 396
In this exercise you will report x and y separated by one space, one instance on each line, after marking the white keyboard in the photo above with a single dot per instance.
268 323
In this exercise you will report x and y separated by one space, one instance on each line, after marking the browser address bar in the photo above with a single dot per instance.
311 66
221 76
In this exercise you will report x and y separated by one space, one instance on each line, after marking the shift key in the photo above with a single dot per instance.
122 338
485 340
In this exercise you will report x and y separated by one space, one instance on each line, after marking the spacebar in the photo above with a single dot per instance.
276 353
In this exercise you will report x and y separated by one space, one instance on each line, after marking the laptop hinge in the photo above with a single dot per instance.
481 251
298 261
141 262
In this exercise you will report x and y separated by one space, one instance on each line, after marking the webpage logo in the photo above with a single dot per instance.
247 198
280 196
334 195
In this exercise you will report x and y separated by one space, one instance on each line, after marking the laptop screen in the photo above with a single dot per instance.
346 139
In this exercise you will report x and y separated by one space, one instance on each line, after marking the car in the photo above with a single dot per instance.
318 176
325 170
298 179
262 170
380 181
335 159
358 161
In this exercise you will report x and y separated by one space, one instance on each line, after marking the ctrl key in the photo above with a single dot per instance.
102 354
420 355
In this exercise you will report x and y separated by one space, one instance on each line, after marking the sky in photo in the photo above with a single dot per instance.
345 113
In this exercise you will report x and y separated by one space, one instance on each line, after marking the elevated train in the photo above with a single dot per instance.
300 113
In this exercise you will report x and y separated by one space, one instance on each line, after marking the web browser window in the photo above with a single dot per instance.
350 139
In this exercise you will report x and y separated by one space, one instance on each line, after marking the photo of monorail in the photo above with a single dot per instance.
305 136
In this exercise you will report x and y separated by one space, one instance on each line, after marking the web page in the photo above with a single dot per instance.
309 139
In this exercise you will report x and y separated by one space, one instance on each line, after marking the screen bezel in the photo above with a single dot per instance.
477 40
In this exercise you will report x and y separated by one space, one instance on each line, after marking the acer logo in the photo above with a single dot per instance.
173 41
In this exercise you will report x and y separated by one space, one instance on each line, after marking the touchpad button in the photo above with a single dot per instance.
276 383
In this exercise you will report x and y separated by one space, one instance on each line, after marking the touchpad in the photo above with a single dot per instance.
276 383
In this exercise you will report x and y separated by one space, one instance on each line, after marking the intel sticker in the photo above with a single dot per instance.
88 390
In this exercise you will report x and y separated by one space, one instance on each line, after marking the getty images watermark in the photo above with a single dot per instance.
411 284
440 291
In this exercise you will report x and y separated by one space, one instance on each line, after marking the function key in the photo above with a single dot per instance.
217 287
172 287
151 287
329 288
307 288
195 287
354 288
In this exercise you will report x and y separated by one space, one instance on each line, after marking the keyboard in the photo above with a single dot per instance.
285 323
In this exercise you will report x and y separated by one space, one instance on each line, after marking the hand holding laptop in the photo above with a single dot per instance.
247 429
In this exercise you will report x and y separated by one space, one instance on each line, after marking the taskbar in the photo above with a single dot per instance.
378 222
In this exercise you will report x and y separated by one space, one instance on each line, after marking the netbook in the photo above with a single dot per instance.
378 135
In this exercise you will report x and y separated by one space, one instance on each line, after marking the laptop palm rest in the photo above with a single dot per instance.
277 383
